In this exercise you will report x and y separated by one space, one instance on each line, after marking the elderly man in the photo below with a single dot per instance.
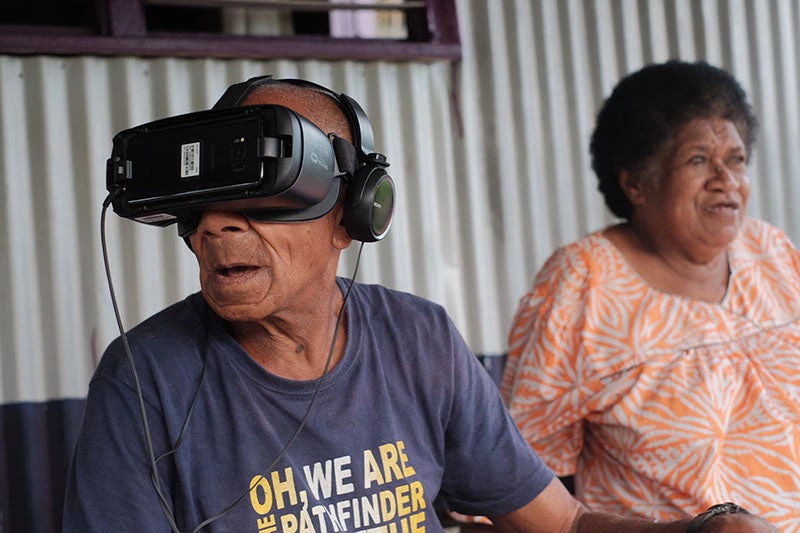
402 413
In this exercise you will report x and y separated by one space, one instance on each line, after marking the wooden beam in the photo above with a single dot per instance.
228 46
125 18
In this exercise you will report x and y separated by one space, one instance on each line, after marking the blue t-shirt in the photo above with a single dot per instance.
408 412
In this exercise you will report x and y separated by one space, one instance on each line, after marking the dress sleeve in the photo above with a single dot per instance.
765 257
109 486
787 259
543 383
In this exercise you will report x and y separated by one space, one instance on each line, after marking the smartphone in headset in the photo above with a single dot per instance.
267 156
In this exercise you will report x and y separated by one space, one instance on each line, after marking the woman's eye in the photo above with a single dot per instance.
697 160
739 160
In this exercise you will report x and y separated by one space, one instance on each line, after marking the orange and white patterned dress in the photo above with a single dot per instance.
661 405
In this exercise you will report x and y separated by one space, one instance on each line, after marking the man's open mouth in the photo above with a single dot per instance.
230 271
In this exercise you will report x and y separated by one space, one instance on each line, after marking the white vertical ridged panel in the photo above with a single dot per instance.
243 21
58 119
552 63
490 159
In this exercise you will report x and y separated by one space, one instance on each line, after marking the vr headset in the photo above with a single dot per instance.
266 161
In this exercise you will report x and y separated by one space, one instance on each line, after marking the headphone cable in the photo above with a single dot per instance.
151 455
310 403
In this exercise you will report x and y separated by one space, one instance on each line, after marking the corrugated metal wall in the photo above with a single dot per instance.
490 159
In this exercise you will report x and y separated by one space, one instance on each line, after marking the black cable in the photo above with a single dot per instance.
194 401
153 467
308 409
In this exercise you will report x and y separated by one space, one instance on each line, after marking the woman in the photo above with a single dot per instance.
658 360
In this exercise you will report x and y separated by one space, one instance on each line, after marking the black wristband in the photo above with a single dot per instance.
697 523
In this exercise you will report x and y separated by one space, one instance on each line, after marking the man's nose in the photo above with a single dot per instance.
217 223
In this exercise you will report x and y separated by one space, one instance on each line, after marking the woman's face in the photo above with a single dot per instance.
697 201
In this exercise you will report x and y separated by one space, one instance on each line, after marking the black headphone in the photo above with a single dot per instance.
370 194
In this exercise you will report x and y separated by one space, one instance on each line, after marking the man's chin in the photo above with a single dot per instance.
237 309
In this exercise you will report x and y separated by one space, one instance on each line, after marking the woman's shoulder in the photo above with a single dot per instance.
571 276
588 257
760 239
588 245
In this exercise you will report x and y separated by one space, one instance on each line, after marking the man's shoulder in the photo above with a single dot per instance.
164 336
387 310
396 301
413 336
178 320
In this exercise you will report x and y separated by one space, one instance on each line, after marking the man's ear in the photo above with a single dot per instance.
340 238
632 186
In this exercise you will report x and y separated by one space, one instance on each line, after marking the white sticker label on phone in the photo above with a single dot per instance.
190 160
155 217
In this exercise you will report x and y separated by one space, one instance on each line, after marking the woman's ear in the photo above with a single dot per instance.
632 187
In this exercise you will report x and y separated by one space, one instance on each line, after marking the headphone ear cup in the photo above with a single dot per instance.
369 204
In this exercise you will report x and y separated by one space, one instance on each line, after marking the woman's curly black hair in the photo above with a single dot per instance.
647 109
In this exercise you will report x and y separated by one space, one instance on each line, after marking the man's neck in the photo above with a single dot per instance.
295 343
